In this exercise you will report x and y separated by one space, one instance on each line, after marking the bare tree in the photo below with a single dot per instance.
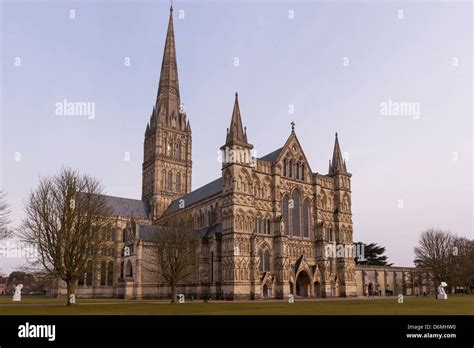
5 232
67 221
435 251
173 251
463 265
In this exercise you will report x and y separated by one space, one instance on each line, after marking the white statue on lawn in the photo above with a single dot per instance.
441 293
17 294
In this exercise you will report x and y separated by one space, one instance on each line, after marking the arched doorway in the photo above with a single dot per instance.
303 285
317 289
371 289
291 288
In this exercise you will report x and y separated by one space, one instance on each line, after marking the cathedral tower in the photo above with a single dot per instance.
167 164
343 221
237 202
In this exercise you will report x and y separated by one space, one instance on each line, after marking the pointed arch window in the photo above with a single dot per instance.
260 260
177 154
163 180
169 146
89 272
266 261
290 172
302 171
330 234
178 182
295 213
297 171
103 273
284 213
306 223
284 167
110 273
170 181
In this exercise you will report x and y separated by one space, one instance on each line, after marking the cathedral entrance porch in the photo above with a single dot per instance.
303 287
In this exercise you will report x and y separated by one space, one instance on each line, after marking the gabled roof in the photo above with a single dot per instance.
126 206
211 189
272 156
288 141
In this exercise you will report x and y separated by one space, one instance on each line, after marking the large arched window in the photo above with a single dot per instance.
284 213
306 215
295 213
170 181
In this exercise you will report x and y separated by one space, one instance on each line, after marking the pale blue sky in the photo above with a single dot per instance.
282 61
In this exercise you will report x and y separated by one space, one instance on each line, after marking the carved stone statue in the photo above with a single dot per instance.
17 294
441 293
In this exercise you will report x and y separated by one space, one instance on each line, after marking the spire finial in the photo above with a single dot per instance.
337 163
292 126
236 130
171 5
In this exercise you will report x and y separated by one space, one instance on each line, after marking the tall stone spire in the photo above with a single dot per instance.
168 100
167 149
338 164
236 133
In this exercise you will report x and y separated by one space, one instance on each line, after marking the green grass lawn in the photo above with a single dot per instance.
41 305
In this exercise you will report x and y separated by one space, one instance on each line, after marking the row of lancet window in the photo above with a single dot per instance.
106 274
262 226
173 150
206 219
293 170
168 184
296 215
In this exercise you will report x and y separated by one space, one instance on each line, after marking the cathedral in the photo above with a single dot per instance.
266 225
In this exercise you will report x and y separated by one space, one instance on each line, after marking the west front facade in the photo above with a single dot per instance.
268 227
